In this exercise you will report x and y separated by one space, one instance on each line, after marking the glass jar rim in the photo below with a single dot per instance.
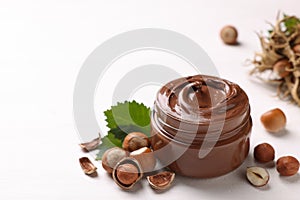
198 138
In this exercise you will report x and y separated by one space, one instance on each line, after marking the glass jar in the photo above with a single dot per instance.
200 126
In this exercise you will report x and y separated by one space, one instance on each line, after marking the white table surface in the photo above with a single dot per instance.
43 45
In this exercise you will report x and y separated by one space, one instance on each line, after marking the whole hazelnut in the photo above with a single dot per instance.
111 157
229 35
281 66
127 173
274 120
287 165
296 48
264 153
134 141
145 157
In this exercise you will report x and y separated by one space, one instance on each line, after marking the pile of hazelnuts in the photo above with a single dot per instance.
135 159
273 121
128 164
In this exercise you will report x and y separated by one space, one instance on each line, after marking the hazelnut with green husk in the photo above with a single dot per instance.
281 56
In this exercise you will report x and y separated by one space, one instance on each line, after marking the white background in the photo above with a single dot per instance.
42 47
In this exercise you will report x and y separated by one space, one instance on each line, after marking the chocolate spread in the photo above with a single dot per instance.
201 126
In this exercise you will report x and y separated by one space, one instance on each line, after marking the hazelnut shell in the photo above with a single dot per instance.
162 180
111 157
87 166
127 160
135 140
145 157
127 173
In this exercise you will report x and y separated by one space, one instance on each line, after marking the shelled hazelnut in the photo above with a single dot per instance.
296 48
287 166
127 173
274 120
257 176
281 68
264 153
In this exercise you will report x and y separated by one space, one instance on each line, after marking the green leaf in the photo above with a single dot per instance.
117 142
291 24
121 132
128 116
122 119
107 142
270 32
139 113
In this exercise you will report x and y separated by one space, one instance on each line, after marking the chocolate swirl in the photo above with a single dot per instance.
202 103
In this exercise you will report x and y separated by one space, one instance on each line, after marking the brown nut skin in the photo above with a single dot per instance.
111 157
264 153
273 120
296 48
229 35
134 141
127 173
287 166
127 176
281 66
145 157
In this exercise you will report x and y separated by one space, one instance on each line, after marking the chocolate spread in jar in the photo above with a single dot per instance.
201 126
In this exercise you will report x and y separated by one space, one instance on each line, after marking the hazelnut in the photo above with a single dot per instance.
145 157
273 120
264 153
297 40
281 66
162 180
111 157
229 35
257 176
127 173
296 48
287 166
135 140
